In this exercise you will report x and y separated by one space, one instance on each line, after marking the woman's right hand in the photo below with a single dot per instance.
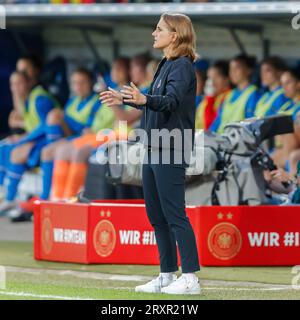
111 97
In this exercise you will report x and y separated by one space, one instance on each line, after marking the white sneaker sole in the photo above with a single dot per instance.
149 289
189 292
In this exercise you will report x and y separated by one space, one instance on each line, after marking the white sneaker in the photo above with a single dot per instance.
156 285
7 205
186 284
14 212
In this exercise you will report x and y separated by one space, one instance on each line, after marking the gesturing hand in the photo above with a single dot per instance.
132 94
111 97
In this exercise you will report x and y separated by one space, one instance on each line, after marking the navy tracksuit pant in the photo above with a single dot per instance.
164 193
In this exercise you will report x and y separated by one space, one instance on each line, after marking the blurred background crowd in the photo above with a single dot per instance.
54 126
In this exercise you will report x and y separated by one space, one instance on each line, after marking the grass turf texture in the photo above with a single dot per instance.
58 286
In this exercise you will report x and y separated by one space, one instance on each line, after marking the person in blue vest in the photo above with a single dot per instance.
241 101
25 152
273 100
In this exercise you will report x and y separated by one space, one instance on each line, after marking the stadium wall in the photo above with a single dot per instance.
213 42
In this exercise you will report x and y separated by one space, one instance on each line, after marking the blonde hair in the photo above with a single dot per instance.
185 43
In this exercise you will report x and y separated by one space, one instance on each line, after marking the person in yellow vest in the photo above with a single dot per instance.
25 153
70 167
274 100
241 101
39 103
287 155
19 88
66 125
216 90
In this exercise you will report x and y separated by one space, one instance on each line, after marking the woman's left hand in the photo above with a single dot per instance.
131 94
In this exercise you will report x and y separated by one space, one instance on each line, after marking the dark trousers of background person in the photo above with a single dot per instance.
164 194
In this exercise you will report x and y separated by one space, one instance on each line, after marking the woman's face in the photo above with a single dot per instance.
269 76
118 74
219 82
81 85
238 73
290 85
163 38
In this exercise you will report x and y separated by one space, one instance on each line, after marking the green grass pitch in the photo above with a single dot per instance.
30 279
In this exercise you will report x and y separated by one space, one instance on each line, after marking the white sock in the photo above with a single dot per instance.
191 276
167 274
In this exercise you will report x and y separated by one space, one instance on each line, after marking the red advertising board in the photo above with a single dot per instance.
257 236
118 232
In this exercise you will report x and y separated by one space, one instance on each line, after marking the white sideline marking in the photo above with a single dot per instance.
248 289
44 296
79 274
206 284
219 288
47 296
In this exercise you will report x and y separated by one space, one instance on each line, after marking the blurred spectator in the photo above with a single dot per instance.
216 90
241 101
151 69
201 67
296 194
287 145
282 182
20 90
19 86
24 153
138 70
77 118
31 65
274 100
71 160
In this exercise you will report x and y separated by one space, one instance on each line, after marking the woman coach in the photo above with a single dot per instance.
170 104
